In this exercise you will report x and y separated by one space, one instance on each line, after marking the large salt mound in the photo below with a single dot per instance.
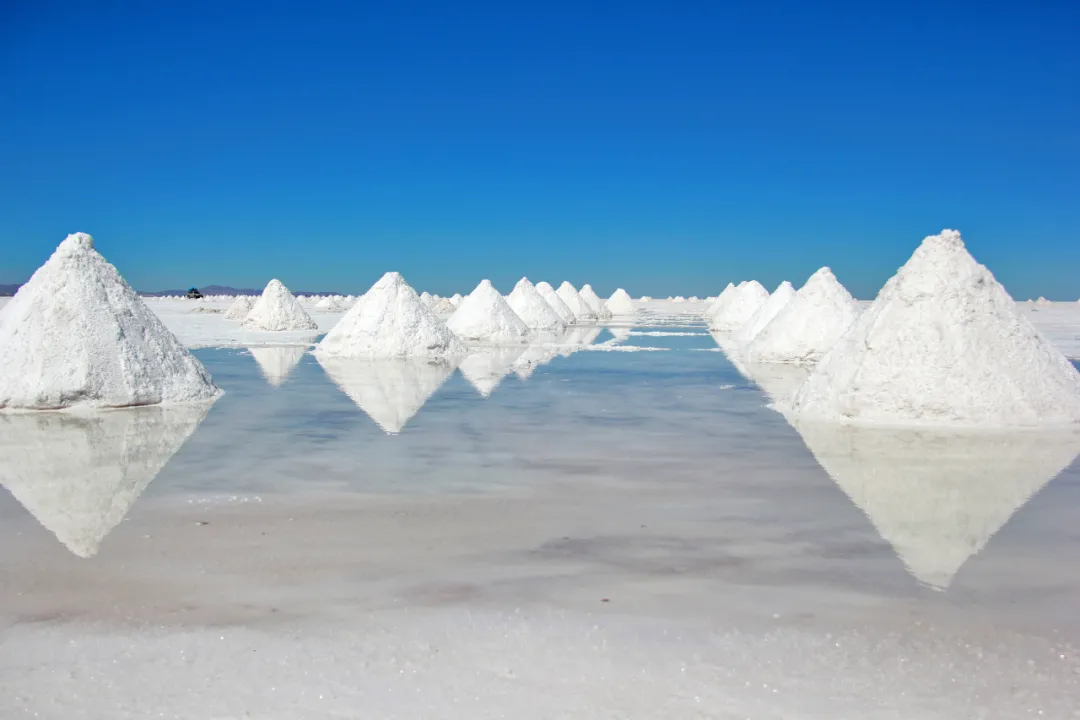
390 321
569 295
561 308
240 308
594 302
808 326
485 317
943 344
745 300
717 306
765 314
77 334
620 303
533 309
277 310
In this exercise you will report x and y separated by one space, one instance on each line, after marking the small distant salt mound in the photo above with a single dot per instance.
484 316
442 306
745 300
620 303
277 310
427 298
533 309
809 326
582 312
765 314
1043 301
277 363
204 310
594 302
678 299
77 334
240 308
329 304
943 344
390 321
552 298
485 368
646 298
456 299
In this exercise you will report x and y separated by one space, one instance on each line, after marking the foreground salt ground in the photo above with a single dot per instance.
629 535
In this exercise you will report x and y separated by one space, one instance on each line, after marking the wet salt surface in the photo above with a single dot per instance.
626 535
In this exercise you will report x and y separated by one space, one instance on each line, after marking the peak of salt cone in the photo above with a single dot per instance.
79 474
76 334
620 303
533 309
808 326
594 302
484 316
765 314
277 310
943 344
390 321
552 298
745 300
240 308
582 312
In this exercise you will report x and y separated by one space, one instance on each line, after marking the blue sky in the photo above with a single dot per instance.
664 147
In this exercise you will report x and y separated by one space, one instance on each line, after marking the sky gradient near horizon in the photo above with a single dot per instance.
664 147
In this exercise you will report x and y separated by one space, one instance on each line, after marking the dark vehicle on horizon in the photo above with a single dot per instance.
194 294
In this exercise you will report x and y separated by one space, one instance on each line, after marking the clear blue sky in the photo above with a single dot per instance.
663 146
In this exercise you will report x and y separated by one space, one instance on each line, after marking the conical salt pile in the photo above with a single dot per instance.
456 299
485 317
809 325
485 368
943 344
620 303
240 308
582 312
765 314
277 310
389 390
717 306
745 300
78 474
277 363
442 306
533 310
938 497
552 298
390 321
427 298
77 334
329 304
594 302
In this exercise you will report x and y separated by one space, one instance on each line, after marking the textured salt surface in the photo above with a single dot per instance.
485 317
240 308
739 306
561 308
582 312
765 314
390 321
533 309
943 344
77 335
277 310
809 326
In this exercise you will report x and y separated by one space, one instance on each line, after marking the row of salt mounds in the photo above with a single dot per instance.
556 302
620 303
76 334
808 326
765 314
533 309
569 295
734 310
277 310
240 308
943 344
329 304
594 302
483 316
390 321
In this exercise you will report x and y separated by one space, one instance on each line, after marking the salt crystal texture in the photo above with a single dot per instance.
765 314
582 312
809 326
620 303
484 316
240 308
390 321
533 309
561 308
745 300
277 310
77 335
943 344
589 296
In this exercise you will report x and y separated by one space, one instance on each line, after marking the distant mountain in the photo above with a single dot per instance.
6 290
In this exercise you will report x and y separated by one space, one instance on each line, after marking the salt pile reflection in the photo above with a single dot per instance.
79 474
485 368
276 363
